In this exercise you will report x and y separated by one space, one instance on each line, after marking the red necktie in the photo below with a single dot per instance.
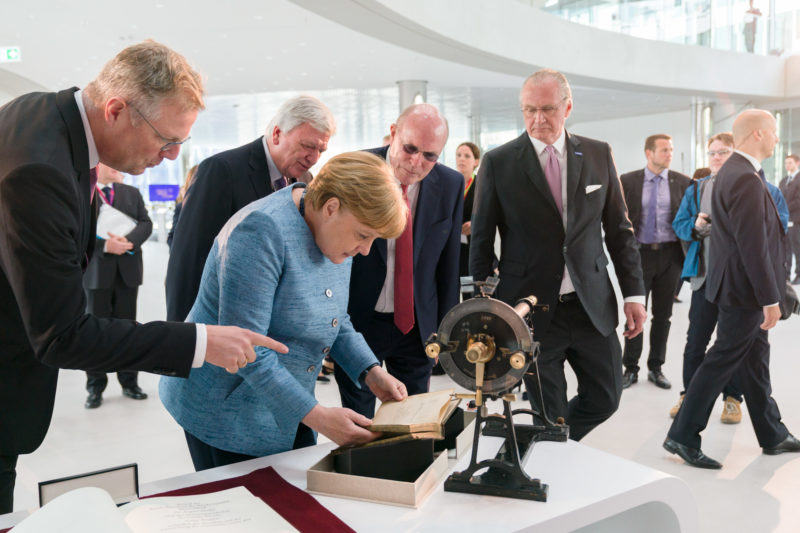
404 275
92 183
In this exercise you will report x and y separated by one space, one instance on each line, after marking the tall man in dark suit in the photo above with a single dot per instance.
138 111
226 182
114 274
653 195
790 187
746 278
401 291
551 195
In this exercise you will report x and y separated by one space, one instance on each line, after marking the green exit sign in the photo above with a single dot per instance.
10 54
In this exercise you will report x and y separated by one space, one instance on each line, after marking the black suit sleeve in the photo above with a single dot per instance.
206 208
40 256
485 218
447 279
619 236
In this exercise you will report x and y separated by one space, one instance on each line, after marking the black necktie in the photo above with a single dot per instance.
761 175
107 193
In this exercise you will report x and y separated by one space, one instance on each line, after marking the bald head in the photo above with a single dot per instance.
755 133
417 139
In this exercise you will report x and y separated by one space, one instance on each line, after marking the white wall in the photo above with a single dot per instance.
627 135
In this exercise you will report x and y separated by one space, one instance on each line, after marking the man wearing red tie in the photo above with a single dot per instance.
401 291
114 274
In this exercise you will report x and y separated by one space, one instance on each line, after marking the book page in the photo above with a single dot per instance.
418 409
234 510
84 510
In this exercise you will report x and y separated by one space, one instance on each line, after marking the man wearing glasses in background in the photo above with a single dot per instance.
401 291
552 196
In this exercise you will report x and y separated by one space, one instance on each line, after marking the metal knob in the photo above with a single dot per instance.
432 350
517 360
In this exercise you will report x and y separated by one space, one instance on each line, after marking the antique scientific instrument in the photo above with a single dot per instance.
487 346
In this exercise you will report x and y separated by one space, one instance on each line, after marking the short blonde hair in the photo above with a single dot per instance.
725 138
365 186
144 75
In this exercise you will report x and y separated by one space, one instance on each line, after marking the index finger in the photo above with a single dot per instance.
256 339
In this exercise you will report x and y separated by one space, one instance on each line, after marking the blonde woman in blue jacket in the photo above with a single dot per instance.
282 265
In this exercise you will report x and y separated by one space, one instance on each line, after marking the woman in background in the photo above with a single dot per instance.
282 265
468 157
179 202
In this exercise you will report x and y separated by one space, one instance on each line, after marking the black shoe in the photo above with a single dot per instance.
134 393
692 456
94 400
323 378
790 444
629 378
655 376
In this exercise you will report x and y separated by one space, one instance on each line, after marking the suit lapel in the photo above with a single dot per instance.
675 195
259 171
529 163
430 190
574 168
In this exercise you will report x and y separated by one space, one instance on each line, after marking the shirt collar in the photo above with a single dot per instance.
649 175
94 157
753 161
274 173
559 145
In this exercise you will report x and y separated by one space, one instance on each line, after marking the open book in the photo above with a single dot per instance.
421 413
91 510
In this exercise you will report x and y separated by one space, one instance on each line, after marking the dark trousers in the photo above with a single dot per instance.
403 355
117 302
595 359
702 321
794 241
661 269
741 348
205 456
8 474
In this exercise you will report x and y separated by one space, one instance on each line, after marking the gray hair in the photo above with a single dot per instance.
300 110
545 75
145 74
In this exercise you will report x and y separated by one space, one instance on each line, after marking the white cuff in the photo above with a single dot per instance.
635 300
200 346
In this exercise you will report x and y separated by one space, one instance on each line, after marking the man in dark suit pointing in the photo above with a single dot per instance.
138 111
747 275
551 195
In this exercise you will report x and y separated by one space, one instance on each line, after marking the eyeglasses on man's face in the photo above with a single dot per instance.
169 144
720 153
546 110
410 149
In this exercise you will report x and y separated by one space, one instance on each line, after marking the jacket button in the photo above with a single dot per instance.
310 369
564 249
328 293
334 322
326 349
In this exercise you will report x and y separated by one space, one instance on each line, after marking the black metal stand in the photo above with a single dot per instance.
504 476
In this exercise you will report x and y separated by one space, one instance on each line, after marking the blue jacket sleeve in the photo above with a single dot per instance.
684 220
780 203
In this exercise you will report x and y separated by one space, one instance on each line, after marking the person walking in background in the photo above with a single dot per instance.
468 157
790 187
653 195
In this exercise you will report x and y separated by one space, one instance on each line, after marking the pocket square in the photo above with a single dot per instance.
592 188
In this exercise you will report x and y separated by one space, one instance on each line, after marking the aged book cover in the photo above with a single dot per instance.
419 413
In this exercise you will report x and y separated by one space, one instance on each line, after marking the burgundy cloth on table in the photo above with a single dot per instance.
552 172
298 507
404 274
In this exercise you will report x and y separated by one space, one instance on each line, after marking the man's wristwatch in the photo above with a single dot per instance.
363 375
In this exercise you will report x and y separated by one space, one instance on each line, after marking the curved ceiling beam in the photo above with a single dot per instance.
512 38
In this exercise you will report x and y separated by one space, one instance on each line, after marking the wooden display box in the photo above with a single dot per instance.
323 479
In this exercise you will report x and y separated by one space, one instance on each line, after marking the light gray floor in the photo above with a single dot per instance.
752 493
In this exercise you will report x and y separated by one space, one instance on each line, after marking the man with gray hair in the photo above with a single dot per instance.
137 112
226 182
556 200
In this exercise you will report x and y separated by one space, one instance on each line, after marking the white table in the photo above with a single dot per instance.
589 490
